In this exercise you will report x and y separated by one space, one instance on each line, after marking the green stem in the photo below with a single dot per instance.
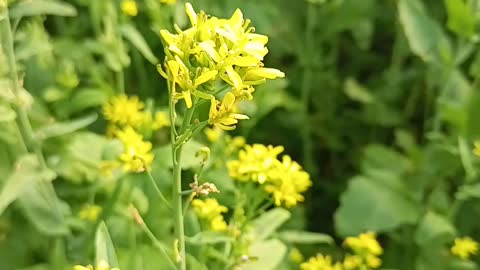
22 119
157 244
159 192
307 86
177 205
120 80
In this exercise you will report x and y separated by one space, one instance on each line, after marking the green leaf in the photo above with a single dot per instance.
434 229
375 204
41 7
104 250
269 254
302 237
62 128
208 238
467 192
461 17
424 35
357 92
266 224
131 34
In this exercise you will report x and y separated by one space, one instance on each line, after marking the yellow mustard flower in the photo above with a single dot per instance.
160 121
464 248
210 210
373 261
136 156
255 163
352 262
320 262
215 49
124 110
287 183
90 212
364 243
223 114
213 134
476 150
102 265
295 256
129 7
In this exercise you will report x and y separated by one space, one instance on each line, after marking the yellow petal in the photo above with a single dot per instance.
192 15
188 98
205 77
234 77
228 100
208 47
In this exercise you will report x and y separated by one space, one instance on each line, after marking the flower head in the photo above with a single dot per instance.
464 248
90 212
320 262
364 243
124 110
136 156
129 7
223 114
352 262
210 210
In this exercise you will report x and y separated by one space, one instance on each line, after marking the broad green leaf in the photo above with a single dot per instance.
84 98
461 17
42 7
302 237
208 238
62 128
434 229
268 255
25 174
370 204
454 100
468 192
104 249
266 224
357 92
424 35
379 157
131 34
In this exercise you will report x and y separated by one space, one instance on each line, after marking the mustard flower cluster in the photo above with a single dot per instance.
365 248
213 50
102 265
284 179
211 211
127 118
464 247
90 212
129 8
320 262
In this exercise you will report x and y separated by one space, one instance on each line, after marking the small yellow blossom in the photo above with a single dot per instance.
160 121
124 111
476 150
365 242
320 262
288 182
129 7
102 265
255 163
210 210
136 156
373 261
213 134
295 256
90 212
352 262
238 141
464 248
223 114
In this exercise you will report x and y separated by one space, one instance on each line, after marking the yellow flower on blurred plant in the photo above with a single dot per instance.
255 163
373 261
136 156
320 262
129 7
464 248
160 121
476 150
364 243
168 2
213 134
90 212
287 183
102 265
124 111
352 262
210 210
223 114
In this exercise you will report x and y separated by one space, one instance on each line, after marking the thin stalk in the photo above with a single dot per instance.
22 119
307 87
159 192
177 205
120 80
157 244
